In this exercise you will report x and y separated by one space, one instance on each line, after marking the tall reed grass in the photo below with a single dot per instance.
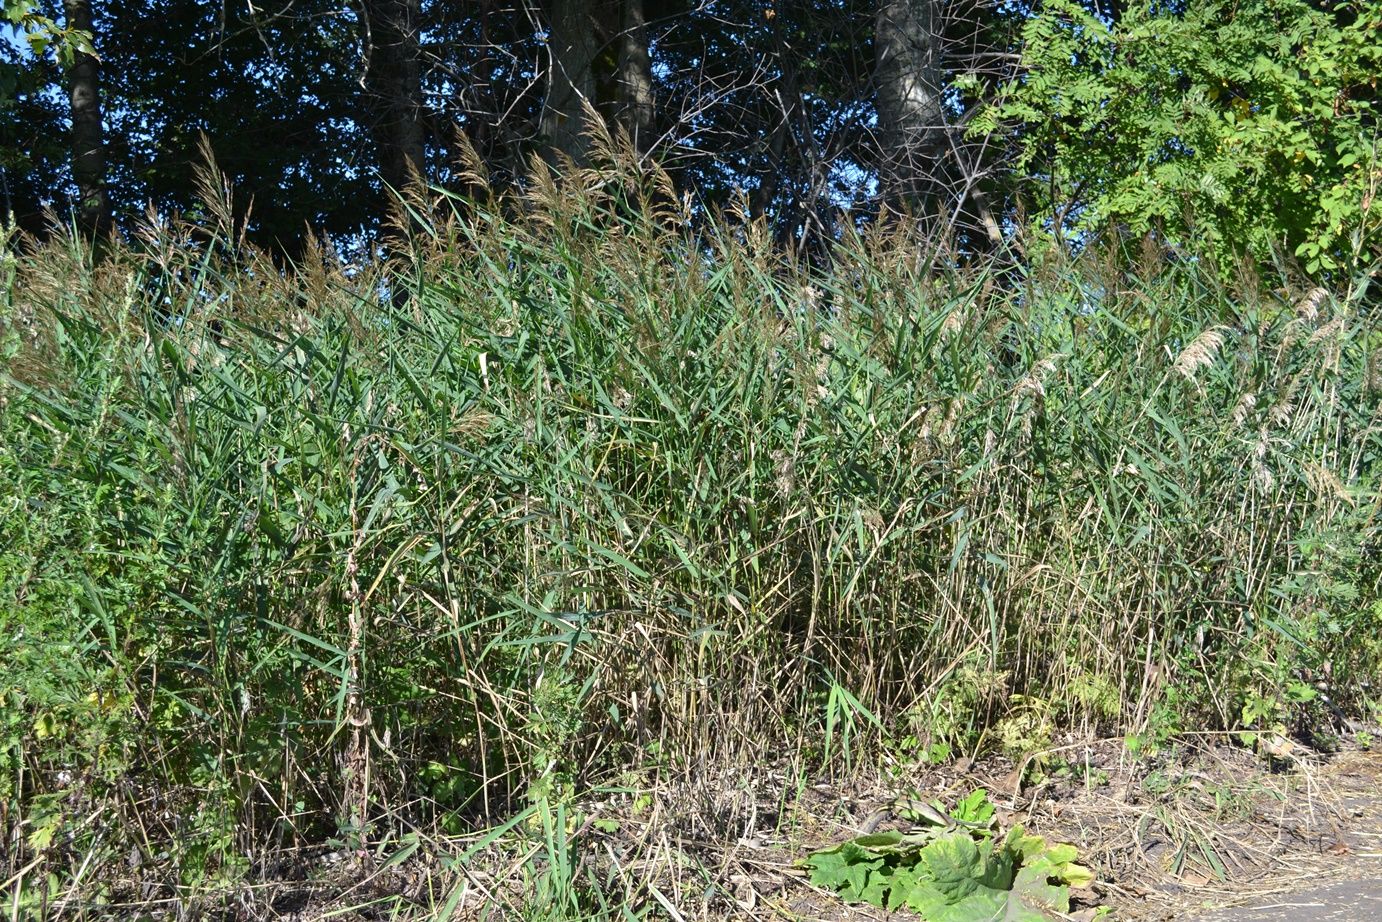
317 552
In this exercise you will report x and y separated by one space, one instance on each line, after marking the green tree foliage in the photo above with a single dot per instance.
1252 125
33 138
272 86
43 35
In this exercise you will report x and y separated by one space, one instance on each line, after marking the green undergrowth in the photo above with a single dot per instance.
956 867
307 555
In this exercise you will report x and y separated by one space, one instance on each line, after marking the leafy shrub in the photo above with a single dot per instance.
1246 128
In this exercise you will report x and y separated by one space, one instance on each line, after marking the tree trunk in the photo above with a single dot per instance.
599 56
635 80
393 82
88 136
909 84
573 42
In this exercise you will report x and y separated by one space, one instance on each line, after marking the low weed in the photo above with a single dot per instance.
953 867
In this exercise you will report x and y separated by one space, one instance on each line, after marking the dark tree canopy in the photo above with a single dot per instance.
971 117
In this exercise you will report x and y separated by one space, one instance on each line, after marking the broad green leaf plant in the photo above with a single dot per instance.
1248 126
957 870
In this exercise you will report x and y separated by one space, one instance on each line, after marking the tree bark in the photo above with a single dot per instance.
393 83
88 135
635 81
573 42
909 83
600 57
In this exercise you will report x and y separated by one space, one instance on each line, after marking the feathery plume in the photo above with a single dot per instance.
1308 307
1201 352
1246 404
1262 476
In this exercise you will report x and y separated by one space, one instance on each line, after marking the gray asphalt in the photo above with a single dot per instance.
1343 901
